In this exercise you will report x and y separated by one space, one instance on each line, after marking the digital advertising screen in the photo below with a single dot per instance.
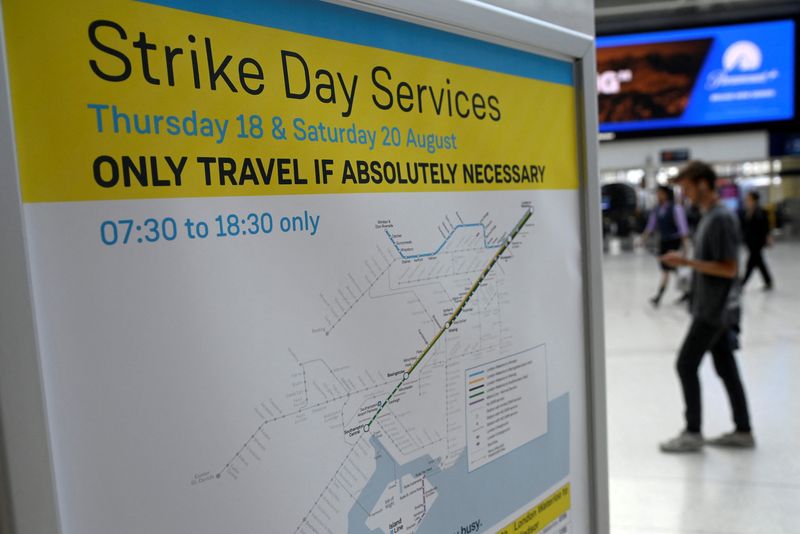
697 77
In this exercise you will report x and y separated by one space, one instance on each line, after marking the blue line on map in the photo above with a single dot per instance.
486 243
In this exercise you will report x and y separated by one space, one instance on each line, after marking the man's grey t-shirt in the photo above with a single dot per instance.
717 239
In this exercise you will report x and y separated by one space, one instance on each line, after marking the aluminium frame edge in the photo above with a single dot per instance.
594 326
25 450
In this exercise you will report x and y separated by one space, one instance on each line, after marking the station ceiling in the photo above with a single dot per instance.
614 16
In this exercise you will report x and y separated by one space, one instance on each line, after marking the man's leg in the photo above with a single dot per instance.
662 286
728 371
762 266
698 340
750 266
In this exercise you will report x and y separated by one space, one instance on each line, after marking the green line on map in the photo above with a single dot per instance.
455 313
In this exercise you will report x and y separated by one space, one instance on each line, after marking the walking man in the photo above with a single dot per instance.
714 310
755 225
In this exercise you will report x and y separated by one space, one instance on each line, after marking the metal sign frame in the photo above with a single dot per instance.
27 486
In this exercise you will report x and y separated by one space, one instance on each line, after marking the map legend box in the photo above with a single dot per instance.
506 405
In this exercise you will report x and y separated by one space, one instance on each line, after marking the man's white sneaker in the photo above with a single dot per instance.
684 442
741 440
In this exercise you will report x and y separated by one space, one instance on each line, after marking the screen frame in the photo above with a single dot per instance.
793 122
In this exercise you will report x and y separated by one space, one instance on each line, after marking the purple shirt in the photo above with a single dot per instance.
678 213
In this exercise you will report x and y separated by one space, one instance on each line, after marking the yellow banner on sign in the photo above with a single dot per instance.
125 100
541 515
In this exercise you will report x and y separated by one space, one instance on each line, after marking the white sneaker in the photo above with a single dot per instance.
741 440
684 442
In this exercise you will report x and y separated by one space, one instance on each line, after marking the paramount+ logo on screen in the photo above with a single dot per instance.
741 64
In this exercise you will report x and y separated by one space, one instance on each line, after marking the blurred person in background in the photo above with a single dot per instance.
645 202
669 219
755 226
715 312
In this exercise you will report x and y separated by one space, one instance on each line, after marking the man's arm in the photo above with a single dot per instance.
651 225
722 269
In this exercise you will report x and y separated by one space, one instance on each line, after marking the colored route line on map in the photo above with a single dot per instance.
508 240
486 243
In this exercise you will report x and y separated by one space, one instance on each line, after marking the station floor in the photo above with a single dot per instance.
715 491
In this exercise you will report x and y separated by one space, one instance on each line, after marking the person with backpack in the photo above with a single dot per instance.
669 219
